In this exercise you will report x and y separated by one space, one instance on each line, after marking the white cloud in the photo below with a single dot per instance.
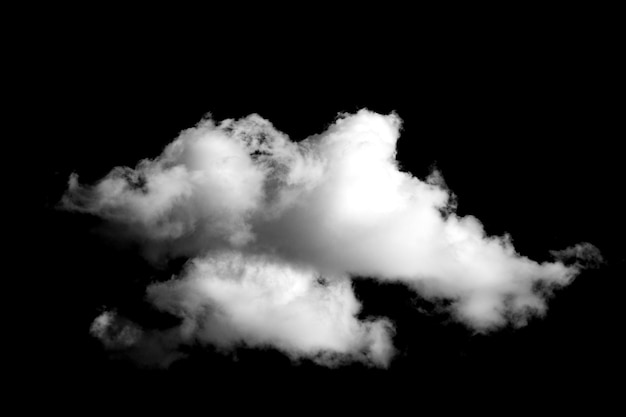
265 217
230 299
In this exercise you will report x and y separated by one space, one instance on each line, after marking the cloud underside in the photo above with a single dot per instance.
277 230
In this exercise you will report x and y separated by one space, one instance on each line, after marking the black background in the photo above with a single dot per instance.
521 112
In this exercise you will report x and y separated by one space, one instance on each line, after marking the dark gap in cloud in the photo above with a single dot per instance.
441 338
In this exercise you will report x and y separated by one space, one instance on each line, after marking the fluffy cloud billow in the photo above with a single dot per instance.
276 231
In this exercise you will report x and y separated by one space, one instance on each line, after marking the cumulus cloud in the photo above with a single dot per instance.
277 229
230 299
